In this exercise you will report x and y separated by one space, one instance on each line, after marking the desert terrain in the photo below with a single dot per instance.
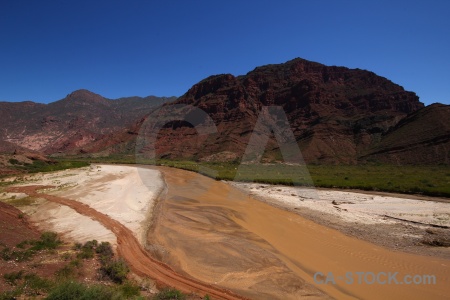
234 241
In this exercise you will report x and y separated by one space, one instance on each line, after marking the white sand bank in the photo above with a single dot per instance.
352 206
124 193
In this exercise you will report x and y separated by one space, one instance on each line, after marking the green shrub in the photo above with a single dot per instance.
48 240
90 244
105 252
14 161
115 270
68 271
105 249
129 290
69 290
75 263
169 294
23 244
35 285
86 253
77 246
8 254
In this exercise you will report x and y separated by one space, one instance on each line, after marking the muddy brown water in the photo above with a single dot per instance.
217 234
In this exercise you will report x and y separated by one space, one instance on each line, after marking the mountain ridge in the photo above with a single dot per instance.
338 115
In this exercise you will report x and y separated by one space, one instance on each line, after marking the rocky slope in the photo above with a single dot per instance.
70 124
422 137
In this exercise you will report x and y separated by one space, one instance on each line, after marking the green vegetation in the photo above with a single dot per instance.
116 270
28 284
427 179
11 278
42 166
75 290
65 284
169 294
14 161
87 250
48 241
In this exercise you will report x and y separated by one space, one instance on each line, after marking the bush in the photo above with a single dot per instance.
49 240
77 246
74 290
104 250
116 270
35 285
87 250
91 244
65 272
169 294
8 254
14 161
129 290
86 253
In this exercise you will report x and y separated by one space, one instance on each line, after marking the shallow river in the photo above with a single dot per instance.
218 234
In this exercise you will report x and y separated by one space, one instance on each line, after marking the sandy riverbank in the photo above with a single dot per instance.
125 193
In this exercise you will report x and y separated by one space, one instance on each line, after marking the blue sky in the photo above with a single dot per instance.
124 48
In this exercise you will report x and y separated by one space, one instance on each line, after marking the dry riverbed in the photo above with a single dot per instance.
255 240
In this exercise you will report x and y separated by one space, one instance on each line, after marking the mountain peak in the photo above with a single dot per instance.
84 96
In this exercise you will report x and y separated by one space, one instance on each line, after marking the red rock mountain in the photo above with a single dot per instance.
336 114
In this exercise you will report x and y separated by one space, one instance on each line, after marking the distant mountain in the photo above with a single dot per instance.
68 125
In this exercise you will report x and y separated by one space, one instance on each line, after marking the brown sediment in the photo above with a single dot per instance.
129 248
216 233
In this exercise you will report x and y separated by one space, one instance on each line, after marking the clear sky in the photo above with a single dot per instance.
125 48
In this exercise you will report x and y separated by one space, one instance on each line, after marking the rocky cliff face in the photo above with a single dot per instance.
335 113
